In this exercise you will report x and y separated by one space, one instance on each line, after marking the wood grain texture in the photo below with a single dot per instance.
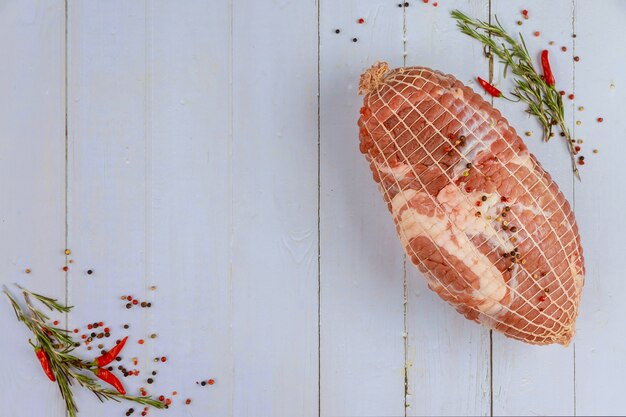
362 314
32 188
537 380
444 349
109 178
601 88
274 236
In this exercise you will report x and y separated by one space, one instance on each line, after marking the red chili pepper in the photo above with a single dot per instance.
108 357
493 91
110 379
547 71
45 363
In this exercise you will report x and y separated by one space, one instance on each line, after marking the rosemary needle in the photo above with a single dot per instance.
543 100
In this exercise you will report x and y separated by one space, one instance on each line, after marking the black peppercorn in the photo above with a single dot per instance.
337 31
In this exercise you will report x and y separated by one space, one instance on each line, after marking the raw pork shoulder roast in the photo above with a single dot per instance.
475 212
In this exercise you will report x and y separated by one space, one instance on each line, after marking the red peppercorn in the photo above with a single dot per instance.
211 381
361 21
537 33
161 398
89 326
571 96
75 330
577 149
562 92
525 12
600 119
188 401
468 189
107 330
563 48
56 322
135 302
163 359
542 298
479 203
140 341
84 336
65 268
129 297
435 4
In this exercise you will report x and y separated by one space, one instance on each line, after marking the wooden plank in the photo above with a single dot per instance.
362 323
190 196
150 167
601 89
448 357
529 380
109 229
275 186
32 184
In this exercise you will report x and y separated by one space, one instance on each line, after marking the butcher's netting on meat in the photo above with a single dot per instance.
476 213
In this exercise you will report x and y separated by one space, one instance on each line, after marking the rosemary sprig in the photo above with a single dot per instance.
59 345
543 100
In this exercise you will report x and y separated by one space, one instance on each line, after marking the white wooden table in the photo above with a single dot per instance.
209 148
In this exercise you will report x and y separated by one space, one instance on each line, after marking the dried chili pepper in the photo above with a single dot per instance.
547 71
110 379
45 363
108 357
493 91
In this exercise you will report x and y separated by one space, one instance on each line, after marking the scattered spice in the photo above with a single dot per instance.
89 271
543 100
354 39
537 33
54 351
600 119
576 58
361 21
563 48
27 270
